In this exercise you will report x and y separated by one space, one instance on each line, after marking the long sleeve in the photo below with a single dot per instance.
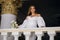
23 25
40 22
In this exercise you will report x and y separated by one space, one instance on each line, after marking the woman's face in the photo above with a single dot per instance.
32 9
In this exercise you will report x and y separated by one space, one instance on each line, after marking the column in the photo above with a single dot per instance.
4 34
8 13
39 35
16 35
51 34
27 35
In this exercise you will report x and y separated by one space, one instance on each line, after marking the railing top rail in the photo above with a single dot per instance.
31 29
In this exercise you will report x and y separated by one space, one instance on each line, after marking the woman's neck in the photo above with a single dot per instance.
33 14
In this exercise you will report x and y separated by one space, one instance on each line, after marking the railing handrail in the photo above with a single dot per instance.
57 29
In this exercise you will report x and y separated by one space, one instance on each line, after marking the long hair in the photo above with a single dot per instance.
29 10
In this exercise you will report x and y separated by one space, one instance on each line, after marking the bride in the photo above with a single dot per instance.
32 20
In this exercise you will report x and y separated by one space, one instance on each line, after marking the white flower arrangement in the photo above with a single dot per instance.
14 24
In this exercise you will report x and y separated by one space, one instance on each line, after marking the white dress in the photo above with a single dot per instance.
32 22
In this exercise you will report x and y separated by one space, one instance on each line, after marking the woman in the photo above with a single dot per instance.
32 20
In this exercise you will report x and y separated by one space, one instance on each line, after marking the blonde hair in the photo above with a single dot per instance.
29 10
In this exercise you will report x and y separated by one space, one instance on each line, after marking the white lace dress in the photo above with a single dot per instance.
32 22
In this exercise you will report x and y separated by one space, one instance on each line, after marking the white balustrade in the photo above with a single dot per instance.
39 32
4 34
27 35
51 34
39 35
16 35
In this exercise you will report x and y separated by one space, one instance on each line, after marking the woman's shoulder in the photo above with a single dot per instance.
38 15
27 17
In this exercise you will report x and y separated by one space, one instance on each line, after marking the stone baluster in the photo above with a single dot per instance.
27 35
16 35
4 34
51 34
39 35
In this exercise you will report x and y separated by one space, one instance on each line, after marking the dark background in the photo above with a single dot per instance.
49 9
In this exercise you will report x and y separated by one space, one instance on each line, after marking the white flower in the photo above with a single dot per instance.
14 24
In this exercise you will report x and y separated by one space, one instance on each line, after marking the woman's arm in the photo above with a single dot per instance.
41 22
23 25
